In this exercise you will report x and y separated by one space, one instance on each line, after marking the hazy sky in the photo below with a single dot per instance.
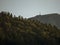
29 8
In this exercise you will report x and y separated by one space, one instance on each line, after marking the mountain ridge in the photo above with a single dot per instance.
49 19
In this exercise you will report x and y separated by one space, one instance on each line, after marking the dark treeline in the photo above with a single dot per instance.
22 31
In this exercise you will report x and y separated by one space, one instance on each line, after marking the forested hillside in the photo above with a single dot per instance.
21 31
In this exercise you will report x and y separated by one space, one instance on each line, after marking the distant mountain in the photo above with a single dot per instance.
53 19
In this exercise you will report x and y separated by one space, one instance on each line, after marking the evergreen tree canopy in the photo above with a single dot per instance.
22 31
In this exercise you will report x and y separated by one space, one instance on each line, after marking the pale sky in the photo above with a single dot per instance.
30 8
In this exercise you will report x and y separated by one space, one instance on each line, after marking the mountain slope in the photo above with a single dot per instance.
53 19
22 31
